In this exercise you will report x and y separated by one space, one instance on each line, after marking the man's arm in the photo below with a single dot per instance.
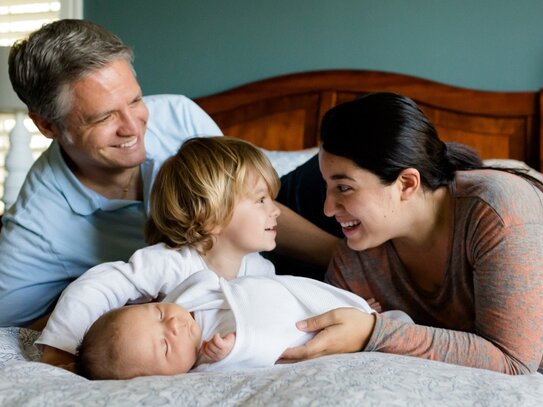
299 238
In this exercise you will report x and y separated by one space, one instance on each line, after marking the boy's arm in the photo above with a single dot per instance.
149 272
216 349
57 357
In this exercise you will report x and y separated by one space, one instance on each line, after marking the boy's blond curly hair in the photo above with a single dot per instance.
196 190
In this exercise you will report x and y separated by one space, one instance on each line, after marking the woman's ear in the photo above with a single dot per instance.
45 126
409 180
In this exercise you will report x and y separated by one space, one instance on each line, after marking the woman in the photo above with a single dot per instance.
429 231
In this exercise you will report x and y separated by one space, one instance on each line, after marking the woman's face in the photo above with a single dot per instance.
365 208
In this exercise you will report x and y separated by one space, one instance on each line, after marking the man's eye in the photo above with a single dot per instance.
102 119
343 188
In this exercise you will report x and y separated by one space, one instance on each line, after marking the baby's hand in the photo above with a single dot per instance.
216 349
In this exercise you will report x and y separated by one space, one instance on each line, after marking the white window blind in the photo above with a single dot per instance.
18 18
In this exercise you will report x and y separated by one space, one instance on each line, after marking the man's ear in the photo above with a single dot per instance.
45 126
409 181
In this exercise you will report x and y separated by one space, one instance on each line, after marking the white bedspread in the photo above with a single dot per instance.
362 379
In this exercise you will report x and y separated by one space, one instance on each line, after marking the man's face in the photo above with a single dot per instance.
107 121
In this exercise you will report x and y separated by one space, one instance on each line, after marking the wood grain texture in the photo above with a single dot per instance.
284 112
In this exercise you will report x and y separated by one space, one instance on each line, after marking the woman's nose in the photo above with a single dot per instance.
329 206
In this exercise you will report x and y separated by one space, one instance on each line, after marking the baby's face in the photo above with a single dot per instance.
158 339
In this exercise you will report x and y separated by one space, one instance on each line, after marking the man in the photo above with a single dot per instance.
85 199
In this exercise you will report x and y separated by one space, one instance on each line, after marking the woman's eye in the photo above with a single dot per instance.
262 199
343 188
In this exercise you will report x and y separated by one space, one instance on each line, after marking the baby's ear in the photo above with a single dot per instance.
409 181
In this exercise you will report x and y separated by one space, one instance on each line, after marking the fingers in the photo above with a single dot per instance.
315 347
319 322
342 330
218 347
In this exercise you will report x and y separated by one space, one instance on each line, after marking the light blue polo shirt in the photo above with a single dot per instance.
58 228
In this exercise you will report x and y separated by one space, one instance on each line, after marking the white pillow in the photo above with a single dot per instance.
285 161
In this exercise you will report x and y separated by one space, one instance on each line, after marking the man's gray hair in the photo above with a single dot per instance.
43 66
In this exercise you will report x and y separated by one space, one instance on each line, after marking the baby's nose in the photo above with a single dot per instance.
173 324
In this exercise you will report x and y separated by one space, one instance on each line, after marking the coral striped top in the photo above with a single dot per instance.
488 313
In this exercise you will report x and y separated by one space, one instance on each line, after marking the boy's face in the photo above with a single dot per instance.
254 221
157 339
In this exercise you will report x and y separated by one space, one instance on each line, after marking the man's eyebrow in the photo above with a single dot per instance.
94 117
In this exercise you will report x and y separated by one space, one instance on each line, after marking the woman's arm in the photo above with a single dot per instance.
343 330
507 319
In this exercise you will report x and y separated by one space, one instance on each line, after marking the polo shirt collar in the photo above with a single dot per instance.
81 199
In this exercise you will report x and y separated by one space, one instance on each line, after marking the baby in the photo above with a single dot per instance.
250 320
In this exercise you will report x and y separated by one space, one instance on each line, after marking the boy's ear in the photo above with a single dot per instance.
409 181
214 230
45 126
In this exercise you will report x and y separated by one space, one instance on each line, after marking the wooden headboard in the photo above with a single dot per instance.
284 113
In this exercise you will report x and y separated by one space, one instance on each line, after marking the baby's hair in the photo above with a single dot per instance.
196 190
98 357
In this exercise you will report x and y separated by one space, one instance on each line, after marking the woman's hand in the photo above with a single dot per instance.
342 330
216 349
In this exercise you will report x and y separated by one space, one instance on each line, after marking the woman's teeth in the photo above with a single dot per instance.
350 224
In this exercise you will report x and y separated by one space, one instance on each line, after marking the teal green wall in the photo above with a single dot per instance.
198 47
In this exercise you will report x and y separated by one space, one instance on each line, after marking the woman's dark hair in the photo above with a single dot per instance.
386 133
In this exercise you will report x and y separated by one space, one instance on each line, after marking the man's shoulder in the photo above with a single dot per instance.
172 119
